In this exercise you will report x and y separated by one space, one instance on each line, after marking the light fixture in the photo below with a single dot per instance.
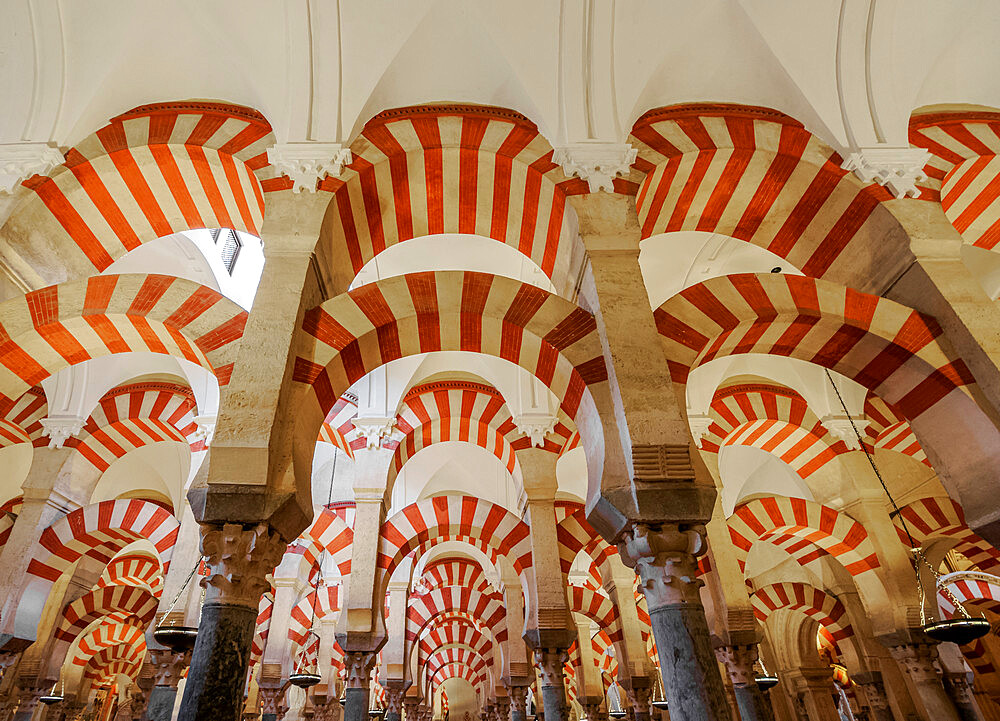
617 714
178 639
962 630
765 681
660 704
55 696
304 679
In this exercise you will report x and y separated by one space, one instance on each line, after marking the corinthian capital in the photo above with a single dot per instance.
550 665
666 558
239 560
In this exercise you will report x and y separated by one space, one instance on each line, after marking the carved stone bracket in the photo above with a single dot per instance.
168 666
700 423
536 426
394 700
666 559
875 694
239 560
517 695
597 163
359 666
550 662
638 697
374 429
411 708
308 163
959 688
739 661
919 660
60 429
272 701
20 161
592 711
842 428
899 169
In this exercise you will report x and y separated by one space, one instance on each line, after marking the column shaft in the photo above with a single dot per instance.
918 661
160 706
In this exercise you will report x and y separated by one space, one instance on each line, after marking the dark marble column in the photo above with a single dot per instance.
958 686
550 663
239 559
393 703
359 668
739 660
919 662
665 557
167 669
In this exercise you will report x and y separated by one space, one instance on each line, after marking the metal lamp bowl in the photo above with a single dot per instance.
958 630
177 638
662 705
51 698
617 714
304 680
375 713
765 683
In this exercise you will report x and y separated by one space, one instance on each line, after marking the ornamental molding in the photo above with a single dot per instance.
306 164
700 423
597 163
374 429
206 428
239 560
59 429
843 429
898 169
536 426
20 161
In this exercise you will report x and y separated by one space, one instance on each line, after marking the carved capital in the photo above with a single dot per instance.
700 423
536 426
842 428
272 701
308 163
502 709
550 662
20 161
394 699
899 169
517 695
374 429
411 708
592 711
919 660
739 661
206 428
597 163
358 665
875 694
60 429
168 666
239 560
638 697
28 694
666 559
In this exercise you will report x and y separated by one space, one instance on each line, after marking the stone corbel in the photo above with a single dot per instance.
842 428
597 163
536 426
899 169
59 429
306 164
374 429
206 428
19 161
700 423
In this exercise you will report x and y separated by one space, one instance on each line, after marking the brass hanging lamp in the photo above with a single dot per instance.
178 639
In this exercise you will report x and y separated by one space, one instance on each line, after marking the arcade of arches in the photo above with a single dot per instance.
451 359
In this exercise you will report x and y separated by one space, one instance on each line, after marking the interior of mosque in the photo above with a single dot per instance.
446 360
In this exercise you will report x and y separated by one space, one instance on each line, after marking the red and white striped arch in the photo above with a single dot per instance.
98 531
452 169
392 318
467 516
262 627
978 657
460 634
774 419
823 607
22 419
884 346
980 590
108 663
337 428
963 173
9 512
574 535
113 602
321 604
448 621
133 569
55 327
805 529
329 533
931 518
487 607
456 654
604 656
456 670
156 170
454 572
598 607
104 636
887 430
753 174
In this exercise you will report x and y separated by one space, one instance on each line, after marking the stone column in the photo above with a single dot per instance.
517 695
272 703
503 708
958 686
873 686
239 558
665 557
814 694
393 702
167 669
27 700
739 661
359 668
550 679
592 711
918 661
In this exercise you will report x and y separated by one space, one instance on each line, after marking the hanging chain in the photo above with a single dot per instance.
918 551
180 592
